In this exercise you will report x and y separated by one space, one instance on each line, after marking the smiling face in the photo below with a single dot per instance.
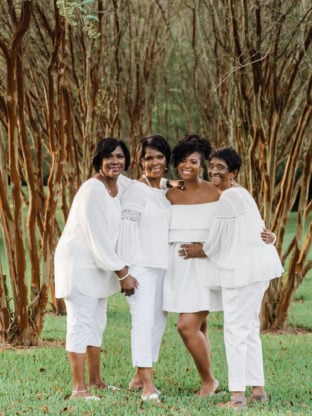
190 167
114 164
219 174
153 163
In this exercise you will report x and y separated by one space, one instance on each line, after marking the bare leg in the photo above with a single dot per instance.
192 328
145 374
93 360
136 382
77 363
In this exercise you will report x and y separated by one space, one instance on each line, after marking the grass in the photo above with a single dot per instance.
37 380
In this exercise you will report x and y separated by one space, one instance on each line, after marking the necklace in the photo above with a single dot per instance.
106 184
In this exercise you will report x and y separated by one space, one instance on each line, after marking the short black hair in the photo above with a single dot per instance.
105 147
189 144
229 156
155 141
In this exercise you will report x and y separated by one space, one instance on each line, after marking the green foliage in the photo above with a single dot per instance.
85 11
37 381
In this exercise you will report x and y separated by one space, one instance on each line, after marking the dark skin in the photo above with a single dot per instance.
192 327
223 178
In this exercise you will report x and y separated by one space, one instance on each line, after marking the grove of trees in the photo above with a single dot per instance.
237 72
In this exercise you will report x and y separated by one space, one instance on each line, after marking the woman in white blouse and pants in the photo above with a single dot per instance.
87 268
242 264
143 243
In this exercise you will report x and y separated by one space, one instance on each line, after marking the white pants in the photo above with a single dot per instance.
148 318
86 321
242 335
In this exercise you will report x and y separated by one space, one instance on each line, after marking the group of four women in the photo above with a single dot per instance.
116 238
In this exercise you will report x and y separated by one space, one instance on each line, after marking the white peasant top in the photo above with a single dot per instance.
237 254
85 256
143 238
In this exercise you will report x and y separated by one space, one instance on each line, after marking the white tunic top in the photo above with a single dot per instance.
143 238
237 253
185 285
85 256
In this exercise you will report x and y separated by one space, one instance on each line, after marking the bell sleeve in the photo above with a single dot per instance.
100 219
220 247
133 204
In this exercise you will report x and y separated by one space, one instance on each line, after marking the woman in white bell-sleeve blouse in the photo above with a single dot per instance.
242 264
143 243
86 265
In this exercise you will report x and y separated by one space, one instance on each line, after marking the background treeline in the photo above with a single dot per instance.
238 73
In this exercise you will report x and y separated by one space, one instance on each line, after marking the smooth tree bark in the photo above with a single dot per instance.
71 72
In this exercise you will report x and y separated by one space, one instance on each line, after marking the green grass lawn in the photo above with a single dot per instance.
37 381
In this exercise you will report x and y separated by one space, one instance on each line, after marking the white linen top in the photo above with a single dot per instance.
85 256
143 238
234 245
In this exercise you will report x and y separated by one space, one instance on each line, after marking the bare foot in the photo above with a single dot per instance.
234 403
136 383
208 389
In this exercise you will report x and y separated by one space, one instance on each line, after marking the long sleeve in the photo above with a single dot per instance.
234 246
100 219
222 239
133 203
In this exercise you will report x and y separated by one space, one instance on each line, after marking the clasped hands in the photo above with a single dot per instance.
129 285
191 250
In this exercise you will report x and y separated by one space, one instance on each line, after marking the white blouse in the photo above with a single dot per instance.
234 246
85 256
143 238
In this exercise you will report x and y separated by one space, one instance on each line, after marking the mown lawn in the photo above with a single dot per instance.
37 380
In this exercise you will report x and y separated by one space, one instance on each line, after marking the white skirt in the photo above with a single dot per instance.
185 285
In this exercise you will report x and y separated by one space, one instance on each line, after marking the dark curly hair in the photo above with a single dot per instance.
156 142
229 156
105 147
188 145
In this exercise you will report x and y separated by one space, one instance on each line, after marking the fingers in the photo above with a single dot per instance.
128 292
267 236
129 286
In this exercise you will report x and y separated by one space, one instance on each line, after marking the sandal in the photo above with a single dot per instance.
80 394
235 403
153 397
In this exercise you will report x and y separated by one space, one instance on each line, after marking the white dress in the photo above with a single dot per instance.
85 256
238 256
185 284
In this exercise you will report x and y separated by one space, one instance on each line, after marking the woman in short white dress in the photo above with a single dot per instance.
143 243
185 288
242 264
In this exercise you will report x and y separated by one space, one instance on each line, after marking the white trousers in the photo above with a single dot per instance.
86 321
148 318
242 335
